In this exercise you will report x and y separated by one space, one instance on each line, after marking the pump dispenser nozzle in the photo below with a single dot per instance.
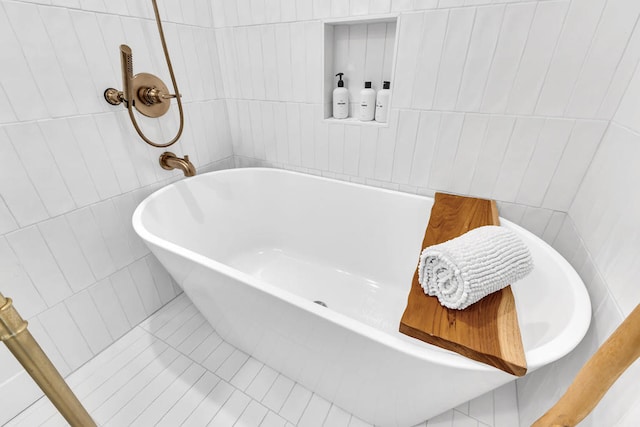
340 82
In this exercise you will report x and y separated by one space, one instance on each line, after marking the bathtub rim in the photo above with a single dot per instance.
549 352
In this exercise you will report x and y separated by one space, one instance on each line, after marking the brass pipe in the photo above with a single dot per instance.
14 333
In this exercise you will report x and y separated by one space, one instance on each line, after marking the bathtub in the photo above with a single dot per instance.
311 275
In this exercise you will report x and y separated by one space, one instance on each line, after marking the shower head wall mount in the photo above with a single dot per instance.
146 92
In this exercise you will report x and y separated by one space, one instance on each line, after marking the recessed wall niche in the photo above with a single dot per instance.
362 49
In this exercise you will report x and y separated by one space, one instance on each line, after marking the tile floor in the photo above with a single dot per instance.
173 369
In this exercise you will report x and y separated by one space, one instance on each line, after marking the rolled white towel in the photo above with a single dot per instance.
463 270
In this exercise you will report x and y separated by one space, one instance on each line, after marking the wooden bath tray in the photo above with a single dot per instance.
486 331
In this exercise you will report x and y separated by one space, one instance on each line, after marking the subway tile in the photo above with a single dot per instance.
521 145
619 87
7 114
269 131
246 374
208 345
17 284
232 409
470 143
262 383
453 57
482 408
337 417
298 61
136 384
446 147
104 68
536 220
277 394
403 155
386 147
35 155
616 24
570 52
87 233
92 326
283 61
210 406
155 385
426 141
482 45
336 147
109 308
94 152
252 415
68 156
232 365
273 420
409 49
146 286
313 36
315 412
506 59
118 152
352 139
490 157
73 65
367 152
67 252
36 258
115 238
576 158
128 296
26 99
66 335
379 6
321 9
543 35
295 404
172 394
190 400
161 279
18 192
544 161
37 47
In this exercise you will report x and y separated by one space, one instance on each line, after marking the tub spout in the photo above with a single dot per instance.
170 161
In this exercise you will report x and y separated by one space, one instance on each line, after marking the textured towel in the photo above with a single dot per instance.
463 270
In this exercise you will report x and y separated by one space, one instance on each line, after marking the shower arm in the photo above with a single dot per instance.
146 88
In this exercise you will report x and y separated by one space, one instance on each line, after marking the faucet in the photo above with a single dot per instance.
170 161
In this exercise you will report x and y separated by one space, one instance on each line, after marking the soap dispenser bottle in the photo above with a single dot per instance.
382 103
340 100
367 103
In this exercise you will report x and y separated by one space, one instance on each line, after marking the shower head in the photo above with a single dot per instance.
126 58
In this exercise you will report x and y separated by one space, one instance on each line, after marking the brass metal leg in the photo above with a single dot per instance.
14 333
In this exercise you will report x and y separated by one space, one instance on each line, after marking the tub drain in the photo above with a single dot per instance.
321 303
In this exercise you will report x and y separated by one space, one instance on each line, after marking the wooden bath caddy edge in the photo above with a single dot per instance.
486 331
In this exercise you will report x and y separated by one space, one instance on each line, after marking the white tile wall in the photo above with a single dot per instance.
76 169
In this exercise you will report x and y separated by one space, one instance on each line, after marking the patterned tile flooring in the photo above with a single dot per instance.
173 369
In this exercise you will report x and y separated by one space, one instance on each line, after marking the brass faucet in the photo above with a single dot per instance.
170 161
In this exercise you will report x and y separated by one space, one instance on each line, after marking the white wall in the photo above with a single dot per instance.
74 169
512 100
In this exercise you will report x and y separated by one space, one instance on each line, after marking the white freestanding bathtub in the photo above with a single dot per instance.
254 248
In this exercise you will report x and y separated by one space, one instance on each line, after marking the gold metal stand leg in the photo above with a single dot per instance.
14 333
